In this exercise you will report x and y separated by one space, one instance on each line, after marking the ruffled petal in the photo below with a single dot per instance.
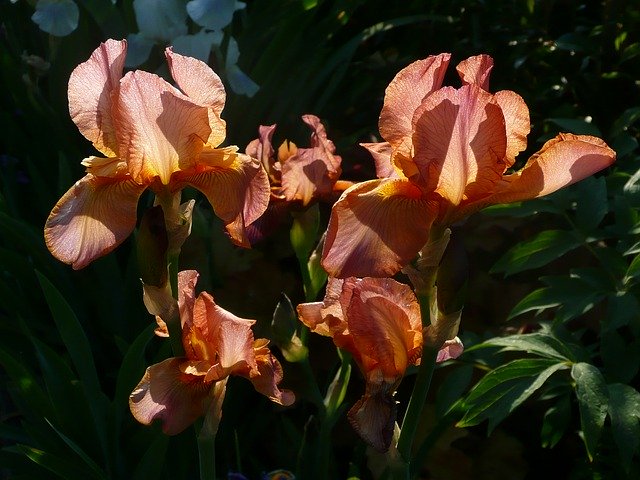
460 143
375 228
268 375
382 332
204 87
517 123
168 395
161 130
381 153
476 70
325 149
406 92
91 86
91 219
238 190
262 148
229 338
563 160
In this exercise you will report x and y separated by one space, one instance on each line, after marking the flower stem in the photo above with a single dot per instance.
206 454
416 402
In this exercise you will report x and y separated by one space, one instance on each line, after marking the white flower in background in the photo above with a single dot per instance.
164 22
56 17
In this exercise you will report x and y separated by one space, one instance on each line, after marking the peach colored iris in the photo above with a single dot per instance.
151 135
217 344
298 174
378 321
446 154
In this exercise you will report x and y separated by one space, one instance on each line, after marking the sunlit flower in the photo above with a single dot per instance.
152 135
298 176
217 344
378 321
447 153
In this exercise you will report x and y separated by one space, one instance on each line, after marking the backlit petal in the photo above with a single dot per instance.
162 131
460 143
187 280
261 148
563 160
196 79
91 219
168 395
91 86
406 92
517 123
230 336
375 228
381 153
238 190
476 70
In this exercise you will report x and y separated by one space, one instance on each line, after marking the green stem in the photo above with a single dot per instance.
206 453
173 323
416 402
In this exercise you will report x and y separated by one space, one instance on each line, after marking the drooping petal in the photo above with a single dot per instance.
381 153
373 416
563 160
406 92
476 70
161 130
229 337
204 87
91 219
327 317
237 188
375 228
460 143
168 395
268 375
517 123
91 86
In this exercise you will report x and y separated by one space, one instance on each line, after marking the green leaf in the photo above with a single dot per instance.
555 422
624 411
77 344
502 390
59 466
593 400
521 209
592 203
537 252
536 343
151 464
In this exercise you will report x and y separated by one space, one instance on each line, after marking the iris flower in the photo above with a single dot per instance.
151 135
378 321
447 153
217 344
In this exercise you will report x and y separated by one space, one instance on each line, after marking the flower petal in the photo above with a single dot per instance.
563 160
373 417
262 147
476 70
381 153
228 336
201 84
168 395
517 123
450 350
91 219
268 375
382 331
91 86
406 92
237 189
375 228
162 131
187 280
460 143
